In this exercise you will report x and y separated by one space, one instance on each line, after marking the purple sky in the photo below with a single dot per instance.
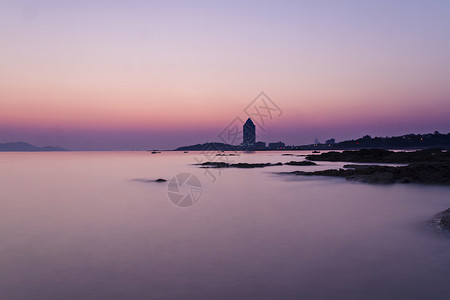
162 74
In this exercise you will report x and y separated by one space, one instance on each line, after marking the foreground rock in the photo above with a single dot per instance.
442 219
426 173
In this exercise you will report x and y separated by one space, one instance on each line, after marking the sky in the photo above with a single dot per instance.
121 75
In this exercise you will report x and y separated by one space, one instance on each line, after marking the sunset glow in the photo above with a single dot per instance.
150 74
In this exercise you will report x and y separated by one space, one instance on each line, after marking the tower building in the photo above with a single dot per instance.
249 133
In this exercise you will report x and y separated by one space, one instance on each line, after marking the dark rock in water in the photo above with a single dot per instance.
301 163
384 156
256 165
287 154
358 166
426 173
330 172
442 219
212 164
430 166
149 180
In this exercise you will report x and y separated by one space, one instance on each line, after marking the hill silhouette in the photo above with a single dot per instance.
25 147
208 146
408 141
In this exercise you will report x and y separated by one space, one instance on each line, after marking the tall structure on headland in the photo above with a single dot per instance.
249 134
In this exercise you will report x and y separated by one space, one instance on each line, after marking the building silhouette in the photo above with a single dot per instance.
249 134
277 146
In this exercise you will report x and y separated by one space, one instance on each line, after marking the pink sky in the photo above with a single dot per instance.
106 75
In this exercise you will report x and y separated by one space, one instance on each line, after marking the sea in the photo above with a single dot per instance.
97 225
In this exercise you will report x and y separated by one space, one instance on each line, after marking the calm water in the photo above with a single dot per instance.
92 225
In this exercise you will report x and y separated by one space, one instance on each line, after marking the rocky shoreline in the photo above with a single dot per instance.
425 173
384 156
431 166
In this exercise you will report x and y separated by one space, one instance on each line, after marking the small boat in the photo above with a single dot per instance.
315 151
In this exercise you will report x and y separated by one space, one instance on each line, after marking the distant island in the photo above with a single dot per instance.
409 141
25 147
208 146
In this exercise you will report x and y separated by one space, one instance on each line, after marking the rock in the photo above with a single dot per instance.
301 163
257 165
376 177
425 173
149 180
212 164
330 172
384 156
442 219
430 166
351 166
405 180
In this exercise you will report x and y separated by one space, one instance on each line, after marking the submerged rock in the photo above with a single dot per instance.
160 180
